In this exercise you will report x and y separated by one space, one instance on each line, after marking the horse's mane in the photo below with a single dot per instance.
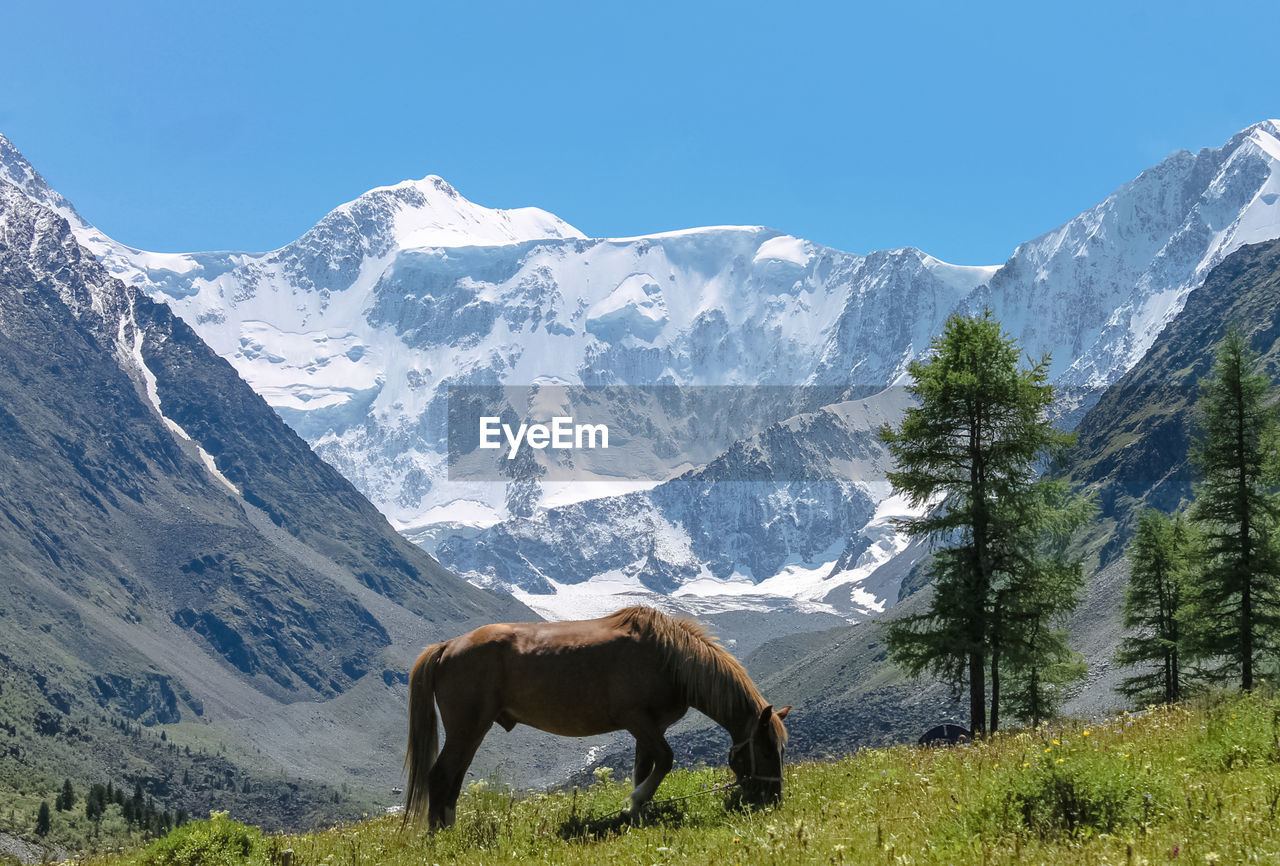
713 681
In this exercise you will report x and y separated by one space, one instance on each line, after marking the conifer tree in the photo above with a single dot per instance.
1159 557
971 450
1032 603
1234 610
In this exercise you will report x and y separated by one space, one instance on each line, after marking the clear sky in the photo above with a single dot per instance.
960 128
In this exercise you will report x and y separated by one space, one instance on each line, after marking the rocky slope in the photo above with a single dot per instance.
1132 448
173 552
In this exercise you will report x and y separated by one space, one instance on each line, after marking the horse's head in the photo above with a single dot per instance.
757 759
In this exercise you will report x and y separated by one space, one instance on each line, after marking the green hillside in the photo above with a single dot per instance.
1195 784
1132 445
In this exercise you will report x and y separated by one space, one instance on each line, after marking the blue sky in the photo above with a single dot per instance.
958 129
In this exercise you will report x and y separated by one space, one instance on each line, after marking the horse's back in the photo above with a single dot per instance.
575 678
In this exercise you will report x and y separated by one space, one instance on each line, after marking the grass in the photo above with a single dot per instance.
1188 784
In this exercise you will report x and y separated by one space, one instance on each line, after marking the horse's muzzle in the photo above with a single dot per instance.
761 792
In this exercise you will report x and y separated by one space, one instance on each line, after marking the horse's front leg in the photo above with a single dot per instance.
653 751
643 767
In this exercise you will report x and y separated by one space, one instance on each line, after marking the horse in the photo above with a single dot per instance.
637 670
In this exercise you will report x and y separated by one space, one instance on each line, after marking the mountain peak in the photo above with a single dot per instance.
15 169
436 182
431 213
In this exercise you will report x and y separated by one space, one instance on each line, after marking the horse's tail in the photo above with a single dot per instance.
423 742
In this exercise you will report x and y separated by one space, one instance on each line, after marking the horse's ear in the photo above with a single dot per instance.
782 713
765 713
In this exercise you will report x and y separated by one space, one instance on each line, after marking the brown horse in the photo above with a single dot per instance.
637 670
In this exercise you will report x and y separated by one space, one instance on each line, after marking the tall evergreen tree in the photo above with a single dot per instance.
1235 606
1032 602
95 803
68 795
138 803
973 446
1159 557
42 819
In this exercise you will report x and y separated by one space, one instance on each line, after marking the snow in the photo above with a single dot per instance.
131 354
1266 140
600 596
464 512
688 233
311 370
809 583
636 308
558 493
443 218
970 276
178 263
784 248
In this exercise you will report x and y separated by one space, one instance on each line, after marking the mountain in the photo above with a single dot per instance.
356 333
175 555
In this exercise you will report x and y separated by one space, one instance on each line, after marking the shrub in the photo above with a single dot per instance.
218 841
1238 733
1076 795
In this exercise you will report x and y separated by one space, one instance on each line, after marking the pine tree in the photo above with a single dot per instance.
138 804
972 447
1159 557
42 819
1032 603
1235 608
95 803
68 796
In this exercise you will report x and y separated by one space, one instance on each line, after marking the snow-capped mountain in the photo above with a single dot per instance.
1097 290
355 332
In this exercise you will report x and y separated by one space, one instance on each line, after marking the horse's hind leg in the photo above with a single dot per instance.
466 716
651 749
447 775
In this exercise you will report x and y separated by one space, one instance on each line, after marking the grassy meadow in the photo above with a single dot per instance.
1198 783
